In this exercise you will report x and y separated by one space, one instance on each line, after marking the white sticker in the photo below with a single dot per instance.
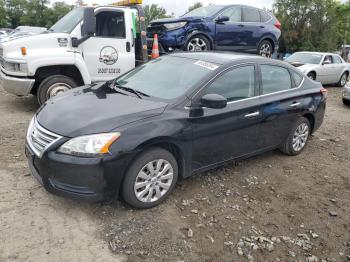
207 65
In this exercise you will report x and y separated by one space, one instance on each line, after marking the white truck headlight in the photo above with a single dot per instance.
89 146
15 67
173 26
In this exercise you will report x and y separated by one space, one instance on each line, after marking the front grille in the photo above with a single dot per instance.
40 139
155 29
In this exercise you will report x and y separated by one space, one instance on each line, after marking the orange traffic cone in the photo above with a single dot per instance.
155 49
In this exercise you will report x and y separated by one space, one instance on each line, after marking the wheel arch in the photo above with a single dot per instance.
311 119
67 70
269 38
194 33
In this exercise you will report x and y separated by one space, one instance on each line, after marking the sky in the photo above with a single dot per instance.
179 7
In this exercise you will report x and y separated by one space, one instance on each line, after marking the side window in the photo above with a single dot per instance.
251 15
275 79
265 17
237 84
297 78
110 24
329 59
337 60
235 14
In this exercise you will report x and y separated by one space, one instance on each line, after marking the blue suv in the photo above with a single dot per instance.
218 27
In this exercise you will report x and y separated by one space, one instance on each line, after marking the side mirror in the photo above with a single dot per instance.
89 23
222 19
213 101
327 62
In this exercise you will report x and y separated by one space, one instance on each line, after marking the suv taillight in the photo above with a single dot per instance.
324 92
278 24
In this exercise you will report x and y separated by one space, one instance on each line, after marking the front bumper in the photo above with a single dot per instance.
83 179
346 93
15 85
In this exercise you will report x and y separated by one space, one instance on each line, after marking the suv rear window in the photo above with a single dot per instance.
264 16
251 15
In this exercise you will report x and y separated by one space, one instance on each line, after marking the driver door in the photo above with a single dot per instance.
110 52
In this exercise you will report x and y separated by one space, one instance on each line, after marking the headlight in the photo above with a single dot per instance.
15 67
89 146
173 26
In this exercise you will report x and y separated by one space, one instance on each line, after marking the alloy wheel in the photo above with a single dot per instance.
153 181
265 50
197 45
57 89
300 137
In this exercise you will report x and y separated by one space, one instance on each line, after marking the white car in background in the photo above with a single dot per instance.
326 68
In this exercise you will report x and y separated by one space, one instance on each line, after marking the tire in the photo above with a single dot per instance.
343 80
139 173
312 76
289 147
52 86
346 102
198 43
265 49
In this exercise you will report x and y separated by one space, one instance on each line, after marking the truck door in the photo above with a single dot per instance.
111 51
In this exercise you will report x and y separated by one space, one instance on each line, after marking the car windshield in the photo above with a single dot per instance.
207 11
167 77
305 58
68 22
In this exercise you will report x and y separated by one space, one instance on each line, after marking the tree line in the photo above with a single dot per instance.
314 25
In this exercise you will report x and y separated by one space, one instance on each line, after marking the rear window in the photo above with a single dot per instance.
251 15
337 60
275 79
265 17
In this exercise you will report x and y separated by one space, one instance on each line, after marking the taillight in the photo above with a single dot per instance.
324 92
278 24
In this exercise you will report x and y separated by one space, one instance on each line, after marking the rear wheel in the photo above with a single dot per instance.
150 179
198 43
265 49
343 80
54 86
297 138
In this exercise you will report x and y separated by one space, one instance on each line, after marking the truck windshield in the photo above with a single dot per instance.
67 23
167 77
207 11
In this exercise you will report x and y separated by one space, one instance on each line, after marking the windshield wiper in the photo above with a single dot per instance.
139 94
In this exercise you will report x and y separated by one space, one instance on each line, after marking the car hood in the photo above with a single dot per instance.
303 67
94 109
175 20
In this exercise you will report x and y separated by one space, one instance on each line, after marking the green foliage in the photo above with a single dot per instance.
31 13
153 12
312 25
195 6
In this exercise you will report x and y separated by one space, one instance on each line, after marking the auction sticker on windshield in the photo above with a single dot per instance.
207 65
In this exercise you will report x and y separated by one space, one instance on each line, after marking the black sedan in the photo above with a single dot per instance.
167 120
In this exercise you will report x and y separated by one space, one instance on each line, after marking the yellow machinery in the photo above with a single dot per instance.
128 3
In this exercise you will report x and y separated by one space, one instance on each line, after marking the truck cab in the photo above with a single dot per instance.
89 44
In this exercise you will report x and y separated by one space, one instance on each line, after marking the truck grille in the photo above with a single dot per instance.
40 139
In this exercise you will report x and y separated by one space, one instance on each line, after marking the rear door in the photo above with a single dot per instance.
223 134
328 73
281 103
253 28
110 52
229 34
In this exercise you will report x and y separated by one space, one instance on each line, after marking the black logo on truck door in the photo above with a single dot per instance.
108 55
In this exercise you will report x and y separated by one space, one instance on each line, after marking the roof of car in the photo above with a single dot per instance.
317 53
220 58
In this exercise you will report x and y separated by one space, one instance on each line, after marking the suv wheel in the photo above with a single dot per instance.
150 179
198 43
53 86
265 49
297 138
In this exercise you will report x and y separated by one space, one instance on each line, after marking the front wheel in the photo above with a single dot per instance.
312 76
198 43
54 86
297 138
265 49
150 179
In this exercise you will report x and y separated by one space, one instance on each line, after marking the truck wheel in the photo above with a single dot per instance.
150 179
198 43
53 86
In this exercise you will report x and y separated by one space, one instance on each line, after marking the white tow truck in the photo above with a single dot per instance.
89 44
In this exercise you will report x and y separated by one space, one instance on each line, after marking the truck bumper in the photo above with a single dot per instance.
15 85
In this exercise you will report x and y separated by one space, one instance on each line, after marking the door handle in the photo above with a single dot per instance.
294 105
251 115
241 25
262 26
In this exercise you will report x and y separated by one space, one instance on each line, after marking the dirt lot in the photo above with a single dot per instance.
268 208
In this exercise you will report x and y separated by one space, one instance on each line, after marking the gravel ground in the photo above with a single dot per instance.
267 208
